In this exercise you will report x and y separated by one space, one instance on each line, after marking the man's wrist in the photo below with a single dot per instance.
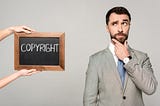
127 59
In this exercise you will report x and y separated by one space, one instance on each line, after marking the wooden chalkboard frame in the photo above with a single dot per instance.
59 67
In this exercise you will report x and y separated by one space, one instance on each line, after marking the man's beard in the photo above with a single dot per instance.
121 39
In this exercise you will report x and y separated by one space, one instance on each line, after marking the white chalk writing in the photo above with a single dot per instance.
43 47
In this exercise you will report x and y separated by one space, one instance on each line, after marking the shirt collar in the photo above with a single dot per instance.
111 48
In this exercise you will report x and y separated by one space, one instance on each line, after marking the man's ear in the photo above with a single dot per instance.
107 29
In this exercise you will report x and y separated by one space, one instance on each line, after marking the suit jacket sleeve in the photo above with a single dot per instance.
140 70
91 85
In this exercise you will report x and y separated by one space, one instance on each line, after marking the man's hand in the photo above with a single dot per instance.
121 50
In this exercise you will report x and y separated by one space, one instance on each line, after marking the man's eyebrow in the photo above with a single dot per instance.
126 20
114 22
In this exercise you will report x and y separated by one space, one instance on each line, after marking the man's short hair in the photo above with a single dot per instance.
117 10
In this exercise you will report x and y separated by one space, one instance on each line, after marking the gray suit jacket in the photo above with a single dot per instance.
103 85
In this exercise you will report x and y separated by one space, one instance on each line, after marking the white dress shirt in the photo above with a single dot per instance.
111 48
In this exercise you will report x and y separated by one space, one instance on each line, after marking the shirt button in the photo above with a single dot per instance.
124 97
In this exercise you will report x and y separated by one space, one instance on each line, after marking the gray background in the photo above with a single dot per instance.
83 21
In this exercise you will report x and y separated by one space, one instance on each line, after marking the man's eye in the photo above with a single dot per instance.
125 23
114 24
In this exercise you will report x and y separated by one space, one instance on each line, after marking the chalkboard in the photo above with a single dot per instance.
43 51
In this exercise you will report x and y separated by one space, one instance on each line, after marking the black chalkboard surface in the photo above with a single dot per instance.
39 51
44 51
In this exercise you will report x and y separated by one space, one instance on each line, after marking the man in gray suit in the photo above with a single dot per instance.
107 86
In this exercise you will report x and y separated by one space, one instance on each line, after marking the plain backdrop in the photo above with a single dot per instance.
83 22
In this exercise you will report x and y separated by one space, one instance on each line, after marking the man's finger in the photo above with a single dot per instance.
115 41
126 44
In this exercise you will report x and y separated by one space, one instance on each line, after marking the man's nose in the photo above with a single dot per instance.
120 29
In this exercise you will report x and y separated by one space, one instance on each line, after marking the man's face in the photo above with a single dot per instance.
118 27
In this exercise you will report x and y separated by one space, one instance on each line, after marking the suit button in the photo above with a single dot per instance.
124 97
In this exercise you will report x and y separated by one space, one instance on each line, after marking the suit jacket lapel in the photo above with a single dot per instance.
125 82
126 75
114 67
